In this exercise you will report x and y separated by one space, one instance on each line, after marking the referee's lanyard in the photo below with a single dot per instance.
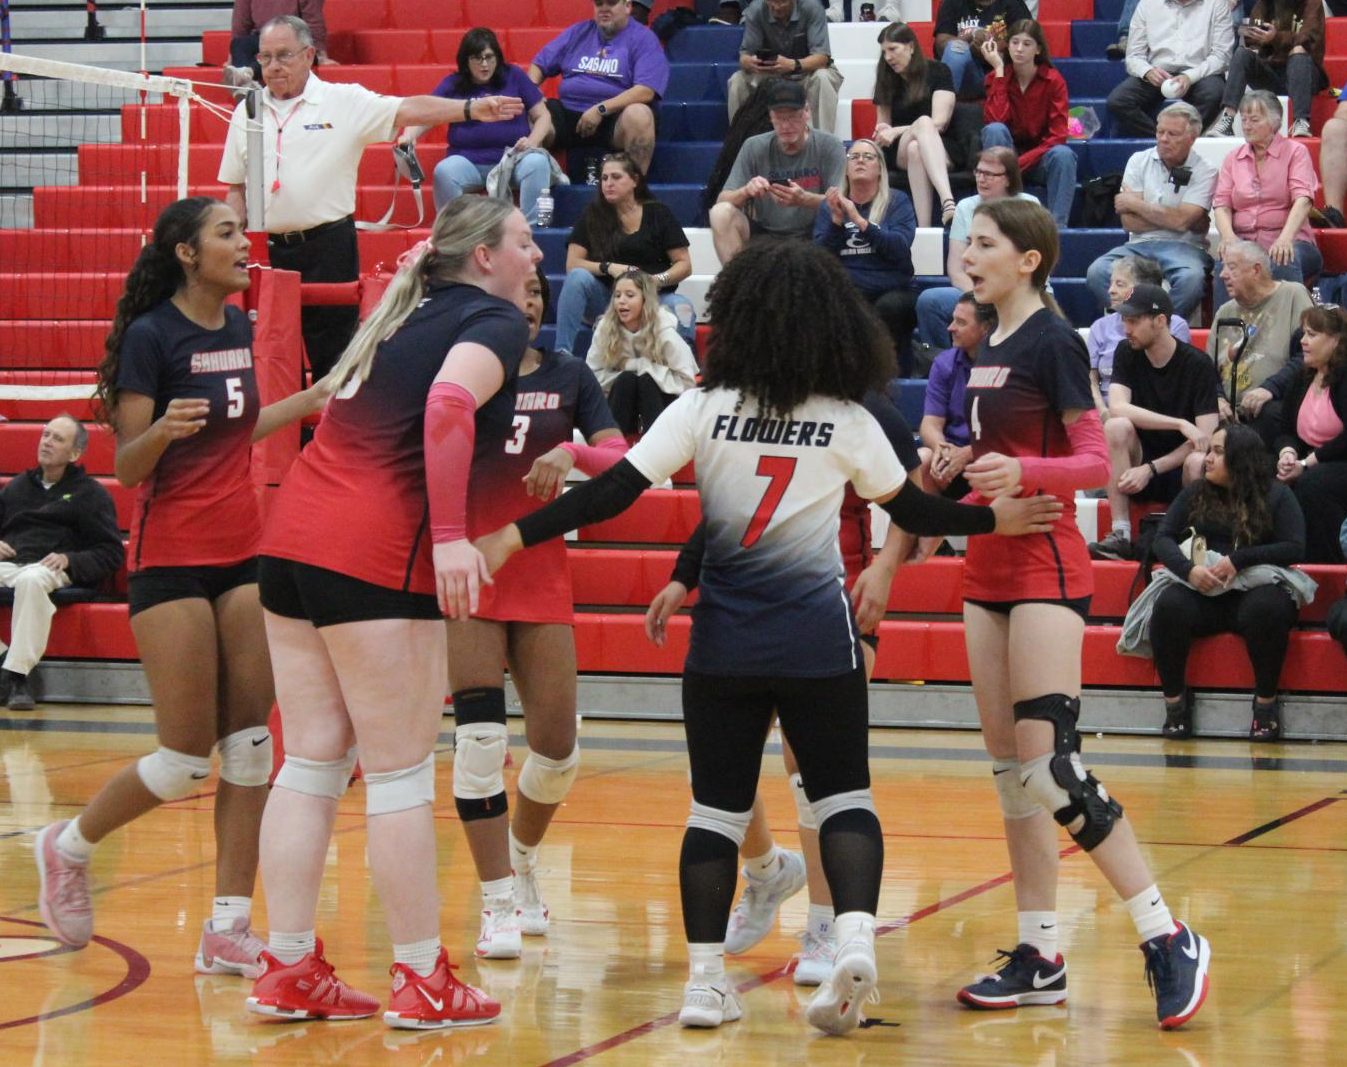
280 131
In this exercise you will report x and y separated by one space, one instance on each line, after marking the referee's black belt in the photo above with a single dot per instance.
298 237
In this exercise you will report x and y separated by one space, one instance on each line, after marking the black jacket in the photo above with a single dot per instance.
75 517
1328 452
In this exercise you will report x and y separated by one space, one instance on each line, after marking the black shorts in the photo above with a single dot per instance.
158 585
1080 605
564 122
329 598
872 640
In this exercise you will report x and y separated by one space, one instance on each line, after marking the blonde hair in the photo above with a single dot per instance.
879 206
645 341
464 224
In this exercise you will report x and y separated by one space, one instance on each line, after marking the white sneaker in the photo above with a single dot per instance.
836 1007
1301 128
529 910
709 1003
499 938
814 961
755 914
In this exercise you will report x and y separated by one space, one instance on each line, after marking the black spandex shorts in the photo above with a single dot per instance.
158 585
328 598
1080 605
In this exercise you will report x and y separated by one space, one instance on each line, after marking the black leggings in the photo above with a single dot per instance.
1262 616
1322 493
827 722
636 401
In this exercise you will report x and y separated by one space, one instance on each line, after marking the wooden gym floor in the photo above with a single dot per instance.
1248 846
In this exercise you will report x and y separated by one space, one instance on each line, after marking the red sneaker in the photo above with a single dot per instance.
307 990
437 1001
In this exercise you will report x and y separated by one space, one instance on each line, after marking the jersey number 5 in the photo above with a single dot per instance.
780 469
234 395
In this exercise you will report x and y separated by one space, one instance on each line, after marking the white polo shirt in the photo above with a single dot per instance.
1151 178
312 149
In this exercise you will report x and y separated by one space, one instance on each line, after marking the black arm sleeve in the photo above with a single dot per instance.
610 494
926 515
687 568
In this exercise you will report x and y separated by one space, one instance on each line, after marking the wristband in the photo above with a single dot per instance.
604 266
1155 471
467 110
798 66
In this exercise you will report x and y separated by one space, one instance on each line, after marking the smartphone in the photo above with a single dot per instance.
766 55
779 181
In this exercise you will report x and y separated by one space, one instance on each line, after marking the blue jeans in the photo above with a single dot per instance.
1056 169
1185 268
968 73
935 307
1125 18
456 175
1306 265
584 298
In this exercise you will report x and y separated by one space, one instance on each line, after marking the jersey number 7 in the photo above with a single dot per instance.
780 469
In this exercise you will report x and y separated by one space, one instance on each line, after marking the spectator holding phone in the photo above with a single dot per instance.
788 39
962 27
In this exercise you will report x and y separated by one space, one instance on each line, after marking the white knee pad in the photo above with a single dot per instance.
316 778
804 811
547 781
855 800
389 791
731 824
245 756
170 775
1016 803
479 760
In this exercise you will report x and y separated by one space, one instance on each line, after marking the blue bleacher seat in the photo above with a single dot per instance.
705 44
683 161
693 120
1080 248
1090 77
1091 38
1108 9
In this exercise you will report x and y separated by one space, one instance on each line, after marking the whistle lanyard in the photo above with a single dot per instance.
280 131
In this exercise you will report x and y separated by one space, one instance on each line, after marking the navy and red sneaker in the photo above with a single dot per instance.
1025 978
1176 971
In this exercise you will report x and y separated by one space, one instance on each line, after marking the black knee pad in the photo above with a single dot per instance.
1059 781
482 704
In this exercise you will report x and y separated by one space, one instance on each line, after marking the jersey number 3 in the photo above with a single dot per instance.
780 469
515 445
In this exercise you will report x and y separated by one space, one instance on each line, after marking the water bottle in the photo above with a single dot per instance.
545 208
592 172
1316 296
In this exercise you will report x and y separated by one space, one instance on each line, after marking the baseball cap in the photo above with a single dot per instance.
1147 299
783 93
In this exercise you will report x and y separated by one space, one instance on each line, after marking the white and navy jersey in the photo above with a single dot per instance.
772 597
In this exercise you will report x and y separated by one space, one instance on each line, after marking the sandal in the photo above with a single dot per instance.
947 209
1267 721
1179 717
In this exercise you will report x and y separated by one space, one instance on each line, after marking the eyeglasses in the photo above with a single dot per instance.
862 157
485 57
609 3
265 59
980 173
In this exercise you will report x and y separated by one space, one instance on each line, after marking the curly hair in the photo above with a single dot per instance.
788 325
1331 320
646 340
1243 503
600 217
911 84
474 42
154 277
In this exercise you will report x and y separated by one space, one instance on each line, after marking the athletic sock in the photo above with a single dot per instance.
820 921
1151 915
760 868
522 857
291 948
1039 928
707 959
1123 527
72 844
420 956
226 909
498 895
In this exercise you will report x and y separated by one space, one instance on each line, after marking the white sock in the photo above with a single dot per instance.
1039 928
706 960
226 909
499 894
764 866
522 857
820 921
1150 914
71 844
855 926
1124 527
291 948
420 956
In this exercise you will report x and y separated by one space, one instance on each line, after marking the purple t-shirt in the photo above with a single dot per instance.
485 142
945 387
593 69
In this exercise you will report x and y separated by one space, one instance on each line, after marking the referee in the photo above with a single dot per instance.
313 135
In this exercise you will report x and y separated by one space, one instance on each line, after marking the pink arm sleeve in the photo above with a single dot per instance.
595 459
450 431
1087 467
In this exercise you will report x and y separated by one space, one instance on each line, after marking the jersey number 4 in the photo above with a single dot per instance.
780 470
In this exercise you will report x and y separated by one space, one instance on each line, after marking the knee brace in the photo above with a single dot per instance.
245 756
1059 781
316 778
1016 803
804 811
387 792
171 775
854 800
731 824
481 740
547 781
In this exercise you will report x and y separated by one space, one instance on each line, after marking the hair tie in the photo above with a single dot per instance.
416 256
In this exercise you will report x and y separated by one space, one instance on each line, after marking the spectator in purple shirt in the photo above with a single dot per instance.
613 73
476 147
946 445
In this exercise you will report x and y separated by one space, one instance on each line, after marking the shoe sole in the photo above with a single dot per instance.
1203 965
852 983
805 977
44 912
704 1019
275 1011
410 1022
1015 1000
1107 553
532 927
508 951
219 966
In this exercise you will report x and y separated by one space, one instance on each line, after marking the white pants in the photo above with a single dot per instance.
820 89
30 624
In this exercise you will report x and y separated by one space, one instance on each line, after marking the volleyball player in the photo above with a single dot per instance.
777 431
522 455
177 387
363 552
1034 429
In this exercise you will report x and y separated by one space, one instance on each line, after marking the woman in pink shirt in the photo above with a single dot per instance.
1264 193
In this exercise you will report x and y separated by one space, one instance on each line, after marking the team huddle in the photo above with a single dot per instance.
416 543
